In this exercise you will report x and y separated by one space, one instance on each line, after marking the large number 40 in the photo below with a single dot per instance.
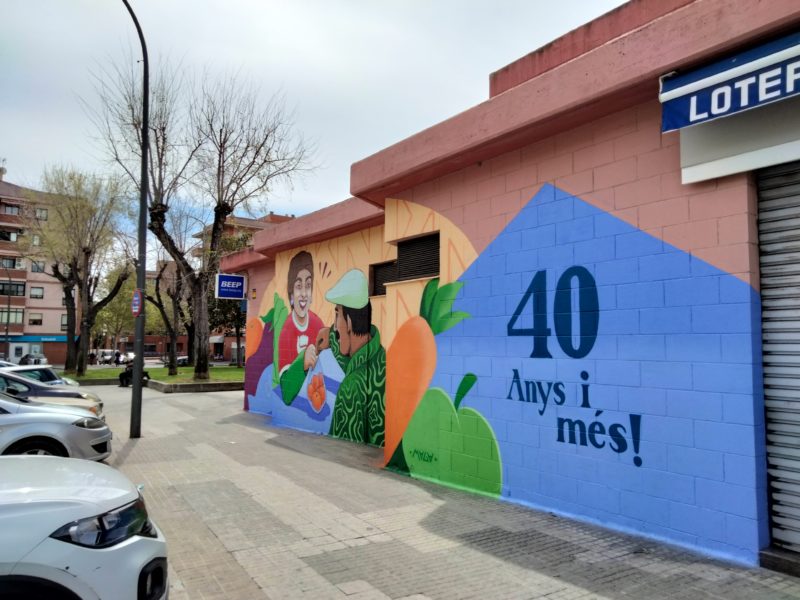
588 311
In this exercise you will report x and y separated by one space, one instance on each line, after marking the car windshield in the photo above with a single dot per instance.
38 374
8 384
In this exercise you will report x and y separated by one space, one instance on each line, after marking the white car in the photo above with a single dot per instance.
77 530
34 428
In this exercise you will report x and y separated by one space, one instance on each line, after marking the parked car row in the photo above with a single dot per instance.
109 357
27 359
73 528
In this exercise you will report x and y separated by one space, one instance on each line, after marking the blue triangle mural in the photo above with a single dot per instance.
620 375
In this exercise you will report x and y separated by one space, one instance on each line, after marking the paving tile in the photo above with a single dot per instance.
251 511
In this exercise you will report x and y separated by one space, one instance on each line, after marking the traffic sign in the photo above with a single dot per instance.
137 302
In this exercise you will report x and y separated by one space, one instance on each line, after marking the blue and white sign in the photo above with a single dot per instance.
137 302
230 287
748 80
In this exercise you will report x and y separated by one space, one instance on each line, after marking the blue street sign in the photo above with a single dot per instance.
230 287
137 302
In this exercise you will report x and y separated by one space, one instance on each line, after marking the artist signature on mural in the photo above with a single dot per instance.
424 456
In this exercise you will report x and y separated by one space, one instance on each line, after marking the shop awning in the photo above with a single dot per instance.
759 76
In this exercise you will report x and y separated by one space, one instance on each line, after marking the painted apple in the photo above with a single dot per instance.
452 445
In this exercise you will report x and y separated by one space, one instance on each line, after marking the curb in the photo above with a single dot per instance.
210 386
114 381
170 388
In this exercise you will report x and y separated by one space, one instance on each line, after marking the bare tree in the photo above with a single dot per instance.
116 317
229 146
79 233
170 284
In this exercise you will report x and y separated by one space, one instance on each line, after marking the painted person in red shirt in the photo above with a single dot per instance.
296 350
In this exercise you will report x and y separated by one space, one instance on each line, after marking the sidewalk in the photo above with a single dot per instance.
252 511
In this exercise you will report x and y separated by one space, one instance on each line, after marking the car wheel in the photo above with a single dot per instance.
37 446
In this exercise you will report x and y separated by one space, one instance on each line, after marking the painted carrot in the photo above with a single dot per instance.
253 332
411 359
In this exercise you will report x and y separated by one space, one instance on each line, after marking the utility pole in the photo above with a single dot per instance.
141 262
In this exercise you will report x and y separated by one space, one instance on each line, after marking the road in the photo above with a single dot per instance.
251 511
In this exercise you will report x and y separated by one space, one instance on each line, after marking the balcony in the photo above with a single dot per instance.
10 220
13 301
12 273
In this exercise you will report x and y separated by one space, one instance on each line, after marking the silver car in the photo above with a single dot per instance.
29 389
40 373
35 428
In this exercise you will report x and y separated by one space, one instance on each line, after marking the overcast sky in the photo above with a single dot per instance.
359 74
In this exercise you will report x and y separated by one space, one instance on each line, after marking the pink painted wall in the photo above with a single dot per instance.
585 90
613 24
622 164
258 276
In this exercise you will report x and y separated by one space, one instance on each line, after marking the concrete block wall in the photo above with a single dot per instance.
622 164
658 428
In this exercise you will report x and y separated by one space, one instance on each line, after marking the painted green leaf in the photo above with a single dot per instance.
464 387
443 307
279 315
428 299
449 320
267 318
436 306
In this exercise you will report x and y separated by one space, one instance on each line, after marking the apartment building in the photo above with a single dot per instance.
32 314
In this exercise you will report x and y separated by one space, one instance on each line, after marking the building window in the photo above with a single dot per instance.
12 289
34 318
416 258
380 275
8 236
63 322
41 214
37 266
11 262
36 240
14 316
10 209
37 292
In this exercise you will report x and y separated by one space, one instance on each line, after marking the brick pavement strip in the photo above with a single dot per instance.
251 511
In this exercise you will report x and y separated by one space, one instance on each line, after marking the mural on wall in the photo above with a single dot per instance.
356 344
297 340
428 434
578 364
618 374
329 380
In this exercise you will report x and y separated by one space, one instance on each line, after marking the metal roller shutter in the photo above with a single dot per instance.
418 257
779 239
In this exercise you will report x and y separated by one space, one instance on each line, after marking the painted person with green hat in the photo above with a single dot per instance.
359 411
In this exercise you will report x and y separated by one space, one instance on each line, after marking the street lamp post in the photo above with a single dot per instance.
8 313
141 262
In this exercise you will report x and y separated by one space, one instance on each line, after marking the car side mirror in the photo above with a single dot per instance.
12 391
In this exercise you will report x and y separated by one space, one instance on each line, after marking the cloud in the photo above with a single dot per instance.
360 75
